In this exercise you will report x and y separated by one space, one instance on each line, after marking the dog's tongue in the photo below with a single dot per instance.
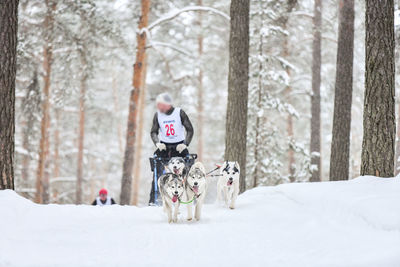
196 189
229 183
174 198
176 171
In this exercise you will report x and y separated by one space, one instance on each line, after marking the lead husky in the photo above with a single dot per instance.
196 188
172 189
228 183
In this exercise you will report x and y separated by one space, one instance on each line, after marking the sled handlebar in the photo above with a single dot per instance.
189 157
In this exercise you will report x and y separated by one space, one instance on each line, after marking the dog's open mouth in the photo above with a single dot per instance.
229 183
196 189
176 170
175 198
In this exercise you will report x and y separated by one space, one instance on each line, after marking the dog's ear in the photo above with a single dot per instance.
226 166
223 167
237 167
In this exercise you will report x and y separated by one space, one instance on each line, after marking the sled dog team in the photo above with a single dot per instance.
182 186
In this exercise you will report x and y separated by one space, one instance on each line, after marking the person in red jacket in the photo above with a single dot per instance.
103 199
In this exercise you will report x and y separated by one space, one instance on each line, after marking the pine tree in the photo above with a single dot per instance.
236 115
126 182
42 179
8 68
379 102
315 139
289 127
340 150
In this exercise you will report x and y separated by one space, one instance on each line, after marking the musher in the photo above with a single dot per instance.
168 133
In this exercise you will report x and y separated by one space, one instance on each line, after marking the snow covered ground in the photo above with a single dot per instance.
354 223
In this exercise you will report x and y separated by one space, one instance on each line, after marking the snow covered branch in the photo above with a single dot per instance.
173 14
171 46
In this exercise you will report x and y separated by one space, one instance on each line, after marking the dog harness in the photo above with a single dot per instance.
171 127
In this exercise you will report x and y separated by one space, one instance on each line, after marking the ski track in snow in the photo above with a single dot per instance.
351 224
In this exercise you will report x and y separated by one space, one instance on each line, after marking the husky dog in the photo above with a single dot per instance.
196 187
228 183
177 166
172 189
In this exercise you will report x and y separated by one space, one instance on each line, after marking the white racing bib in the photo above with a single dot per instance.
171 128
99 203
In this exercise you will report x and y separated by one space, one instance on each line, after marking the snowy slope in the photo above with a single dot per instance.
355 223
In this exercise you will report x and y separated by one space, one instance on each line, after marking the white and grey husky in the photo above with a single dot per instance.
177 166
196 188
228 183
172 189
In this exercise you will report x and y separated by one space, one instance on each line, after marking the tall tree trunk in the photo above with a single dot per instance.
26 159
29 107
126 182
289 122
377 157
236 114
397 62
81 134
42 180
259 129
290 133
8 59
56 158
117 110
200 93
139 140
315 140
397 151
340 149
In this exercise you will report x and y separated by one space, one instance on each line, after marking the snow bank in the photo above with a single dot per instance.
352 223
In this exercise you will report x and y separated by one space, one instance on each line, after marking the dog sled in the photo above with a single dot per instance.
157 165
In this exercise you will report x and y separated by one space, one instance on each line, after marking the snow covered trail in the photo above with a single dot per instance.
352 223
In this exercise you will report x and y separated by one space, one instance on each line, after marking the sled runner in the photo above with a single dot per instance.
157 165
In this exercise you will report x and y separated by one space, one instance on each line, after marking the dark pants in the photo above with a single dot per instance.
166 155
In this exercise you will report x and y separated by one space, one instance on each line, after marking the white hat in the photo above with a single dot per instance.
164 98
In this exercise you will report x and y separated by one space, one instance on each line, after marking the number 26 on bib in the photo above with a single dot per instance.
170 129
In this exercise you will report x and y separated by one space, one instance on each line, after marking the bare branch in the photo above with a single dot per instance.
173 47
174 14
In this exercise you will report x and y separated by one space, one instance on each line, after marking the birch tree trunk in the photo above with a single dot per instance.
42 180
340 147
126 182
377 157
8 59
315 140
236 115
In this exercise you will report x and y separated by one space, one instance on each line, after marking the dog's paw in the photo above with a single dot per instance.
189 218
232 207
